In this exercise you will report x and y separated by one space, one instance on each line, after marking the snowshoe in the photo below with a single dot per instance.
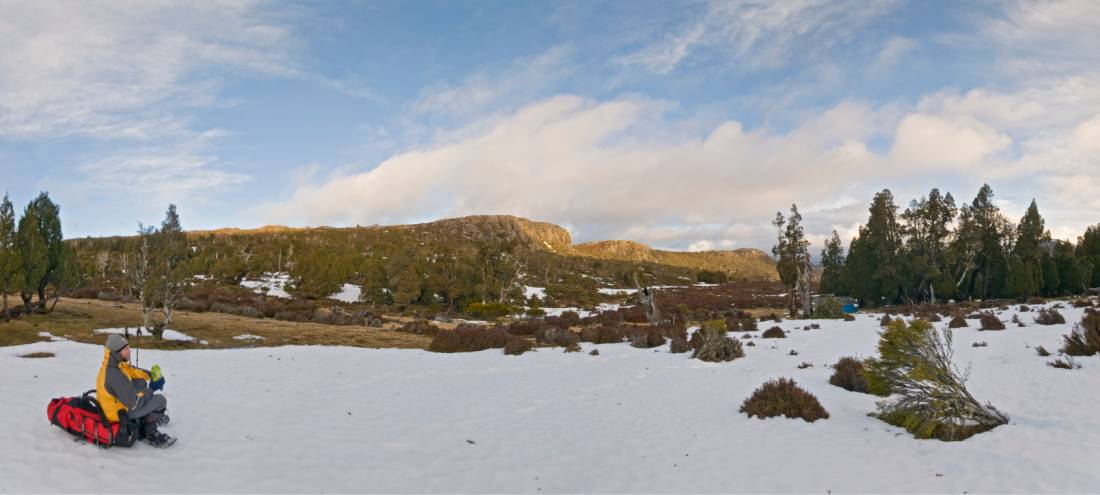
159 440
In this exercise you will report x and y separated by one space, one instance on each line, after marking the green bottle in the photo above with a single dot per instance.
155 372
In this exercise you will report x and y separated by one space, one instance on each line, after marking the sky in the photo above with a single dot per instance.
683 125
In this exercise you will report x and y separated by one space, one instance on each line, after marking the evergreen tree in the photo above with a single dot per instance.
988 237
1031 238
1088 251
875 273
928 227
10 272
832 262
32 255
1071 272
790 253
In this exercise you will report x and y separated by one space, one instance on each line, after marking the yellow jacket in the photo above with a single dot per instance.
119 386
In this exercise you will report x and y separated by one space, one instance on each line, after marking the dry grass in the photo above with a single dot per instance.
37 355
76 319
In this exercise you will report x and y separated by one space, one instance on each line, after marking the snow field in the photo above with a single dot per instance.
310 419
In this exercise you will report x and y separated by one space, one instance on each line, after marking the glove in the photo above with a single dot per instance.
157 378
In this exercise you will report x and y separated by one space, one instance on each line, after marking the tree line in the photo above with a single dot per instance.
936 250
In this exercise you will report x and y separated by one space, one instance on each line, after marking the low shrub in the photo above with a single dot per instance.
470 338
603 334
783 397
517 346
1065 364
1024 308
419 327
1036 300
979 344
1049 317
829 308
792 353
805 365
556 336
679 345
1016 320
750 344
716 345
774 333
885 321
848 374
1084 340
957 322
491 310
991 322
1082 303
646 337
525 328
1042 351
849 317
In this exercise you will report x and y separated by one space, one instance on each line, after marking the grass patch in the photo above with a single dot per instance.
37 355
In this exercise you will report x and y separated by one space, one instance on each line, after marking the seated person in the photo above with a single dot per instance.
124 388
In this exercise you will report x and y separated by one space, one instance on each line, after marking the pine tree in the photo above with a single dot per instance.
1031 237
1088 251
928 227
873 266
10 272
832 262
32 255
791 253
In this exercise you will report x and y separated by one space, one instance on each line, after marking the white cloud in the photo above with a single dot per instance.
894 51
124 69
176 172
936 143
523 77
761 34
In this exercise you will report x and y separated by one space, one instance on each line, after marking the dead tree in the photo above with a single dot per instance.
648 298
805 284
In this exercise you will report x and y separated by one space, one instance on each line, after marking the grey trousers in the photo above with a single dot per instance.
156 403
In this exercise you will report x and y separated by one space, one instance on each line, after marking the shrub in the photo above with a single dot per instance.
1036 300
716 345
556 336
783 397
957 322
741 322
805 365
849 317
569 319
516 346
979 344
1085 338
750 344
1042 351
603 334
1024 308
491 310
885 321
930 397
679 345
991 322
829 308
848 374
1065 364
419 327
534 312
525 328
774 333
1082 303
1049 317
646 337
469 338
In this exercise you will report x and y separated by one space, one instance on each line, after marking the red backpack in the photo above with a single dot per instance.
84 419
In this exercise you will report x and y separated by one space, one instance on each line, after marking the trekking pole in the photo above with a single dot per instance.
137 351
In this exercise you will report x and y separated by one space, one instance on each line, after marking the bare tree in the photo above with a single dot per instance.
805 282
648 297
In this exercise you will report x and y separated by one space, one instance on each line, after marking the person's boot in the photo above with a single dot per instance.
155 438
162 420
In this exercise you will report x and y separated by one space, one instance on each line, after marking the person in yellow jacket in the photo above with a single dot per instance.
124 388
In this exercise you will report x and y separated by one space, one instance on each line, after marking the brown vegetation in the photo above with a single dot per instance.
783 397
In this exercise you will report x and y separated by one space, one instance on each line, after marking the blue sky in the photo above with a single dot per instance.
684 125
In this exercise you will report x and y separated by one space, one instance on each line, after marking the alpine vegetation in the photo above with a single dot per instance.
1085 338
849 374
783 397
717 346
930 399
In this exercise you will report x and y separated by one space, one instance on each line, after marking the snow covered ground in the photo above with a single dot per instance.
272 284
628 420
167 335
349 293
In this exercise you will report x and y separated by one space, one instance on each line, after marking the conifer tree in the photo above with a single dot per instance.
10 272
832 262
